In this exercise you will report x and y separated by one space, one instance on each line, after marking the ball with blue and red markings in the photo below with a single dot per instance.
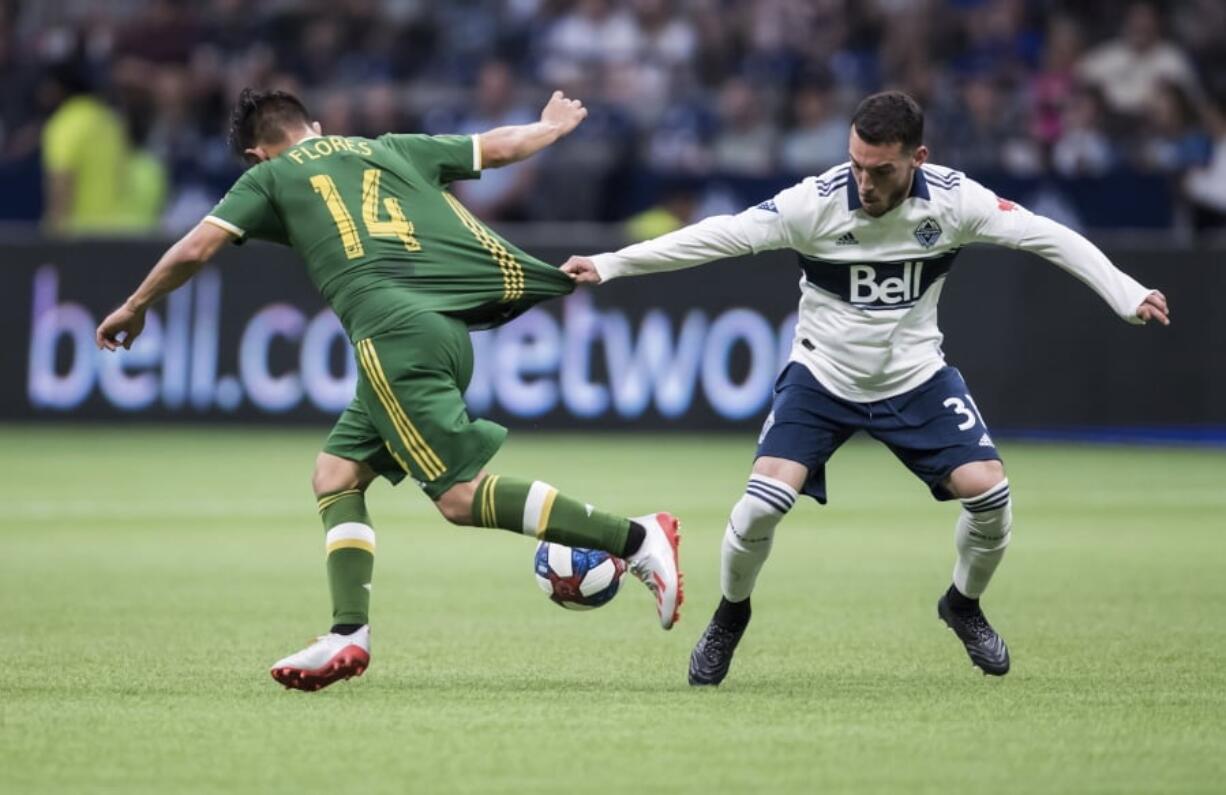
575 578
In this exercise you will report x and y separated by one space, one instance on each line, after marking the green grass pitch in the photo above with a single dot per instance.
149 576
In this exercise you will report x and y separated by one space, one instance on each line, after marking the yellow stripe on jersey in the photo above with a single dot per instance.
512 271
425 458
329 499
505 262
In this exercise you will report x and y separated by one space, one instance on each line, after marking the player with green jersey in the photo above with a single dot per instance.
345 204
409 271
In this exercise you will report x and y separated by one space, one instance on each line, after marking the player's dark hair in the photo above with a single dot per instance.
262 117
888 118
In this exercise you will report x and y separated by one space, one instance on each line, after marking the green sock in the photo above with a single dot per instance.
350 542
537 509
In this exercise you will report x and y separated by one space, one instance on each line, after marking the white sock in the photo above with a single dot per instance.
981 535
750 533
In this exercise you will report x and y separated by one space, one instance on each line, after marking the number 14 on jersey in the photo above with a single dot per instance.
398 225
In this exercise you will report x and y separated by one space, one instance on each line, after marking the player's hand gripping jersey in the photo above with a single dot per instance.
382 238
867 326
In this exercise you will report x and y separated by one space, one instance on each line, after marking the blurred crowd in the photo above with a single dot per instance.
123 105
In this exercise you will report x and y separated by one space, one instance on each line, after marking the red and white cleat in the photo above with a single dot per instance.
329 659
657 565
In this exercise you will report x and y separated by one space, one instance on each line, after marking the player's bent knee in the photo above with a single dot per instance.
790 472
973 479
333 473
456 503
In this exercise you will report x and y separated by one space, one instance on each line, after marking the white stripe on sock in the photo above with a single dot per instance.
350 531
538 494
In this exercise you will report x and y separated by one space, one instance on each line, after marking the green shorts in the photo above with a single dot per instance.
408 416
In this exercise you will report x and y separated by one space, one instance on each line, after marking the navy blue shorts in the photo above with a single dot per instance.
933 429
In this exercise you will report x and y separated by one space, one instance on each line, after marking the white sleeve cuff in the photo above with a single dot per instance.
476 152
224 224
1139 293
606 266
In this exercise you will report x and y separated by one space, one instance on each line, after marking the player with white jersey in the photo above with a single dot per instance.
876 238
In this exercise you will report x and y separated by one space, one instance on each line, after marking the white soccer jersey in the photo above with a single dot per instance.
867 326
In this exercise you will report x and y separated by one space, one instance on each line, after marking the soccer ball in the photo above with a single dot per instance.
578 579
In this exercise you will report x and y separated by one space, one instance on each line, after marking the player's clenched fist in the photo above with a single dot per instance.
123 320
582 270
562 113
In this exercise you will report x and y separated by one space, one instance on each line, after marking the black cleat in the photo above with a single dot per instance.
711 658
986 649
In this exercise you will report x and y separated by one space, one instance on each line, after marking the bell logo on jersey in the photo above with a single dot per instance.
889 291
877 285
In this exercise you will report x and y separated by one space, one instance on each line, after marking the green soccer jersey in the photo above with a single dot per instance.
383 239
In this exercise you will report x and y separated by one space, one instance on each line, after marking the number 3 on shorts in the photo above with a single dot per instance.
962 410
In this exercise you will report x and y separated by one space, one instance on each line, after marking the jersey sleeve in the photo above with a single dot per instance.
717 237
763 227
989 219
782 221
986 218
247 210
439 158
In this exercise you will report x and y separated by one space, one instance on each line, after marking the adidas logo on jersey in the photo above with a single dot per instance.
847 240
985 441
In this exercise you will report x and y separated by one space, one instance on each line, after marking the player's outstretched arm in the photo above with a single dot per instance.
717 237
1075 254
763 227
505 145
988 219
177 265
